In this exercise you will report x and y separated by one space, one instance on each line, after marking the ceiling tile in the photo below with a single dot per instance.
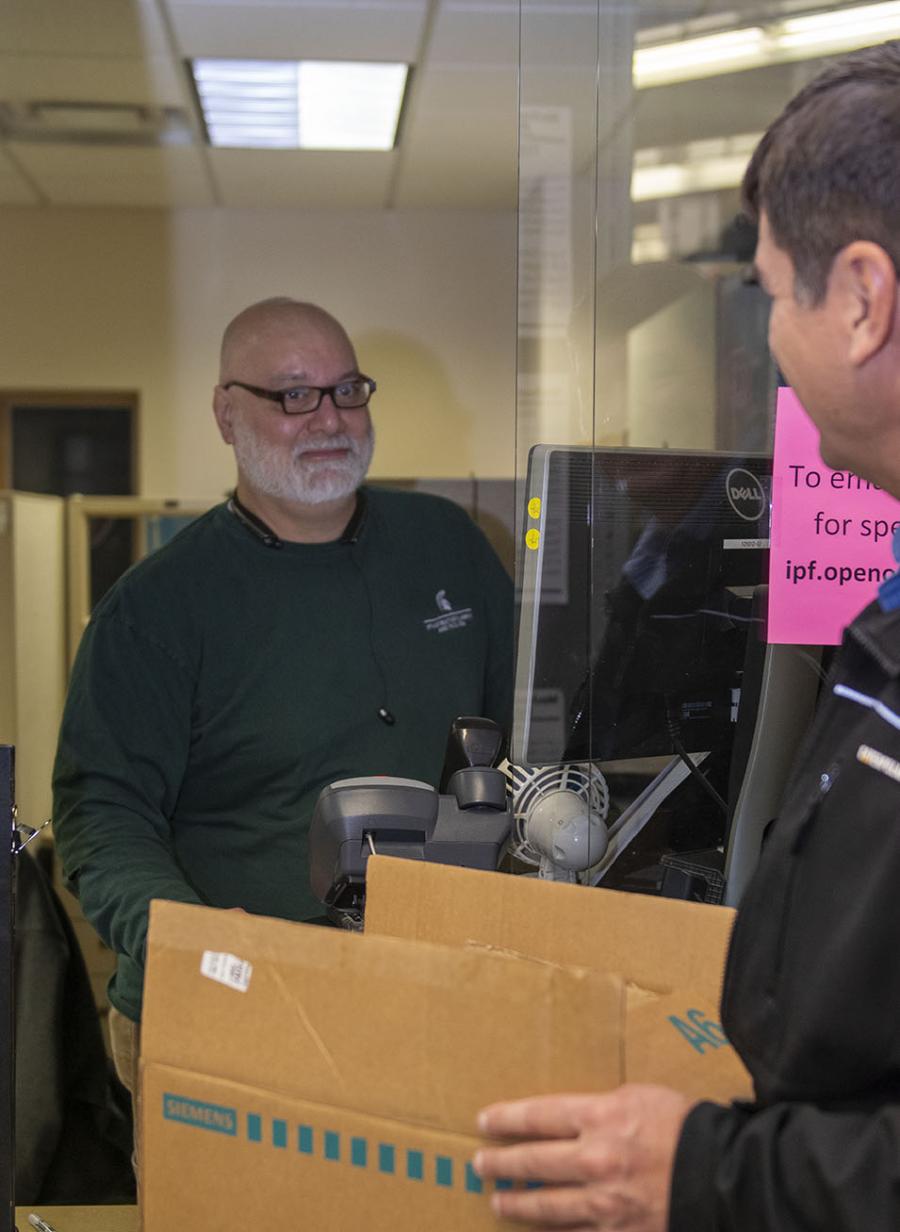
308 179
79 175
82 27
121 79
478 181
14 188
315 29
476 32
459 142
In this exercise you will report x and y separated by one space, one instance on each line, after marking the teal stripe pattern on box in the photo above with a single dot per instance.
442 1171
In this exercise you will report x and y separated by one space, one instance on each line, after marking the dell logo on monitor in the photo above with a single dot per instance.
745 494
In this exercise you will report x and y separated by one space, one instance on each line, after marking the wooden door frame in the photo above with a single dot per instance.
79 511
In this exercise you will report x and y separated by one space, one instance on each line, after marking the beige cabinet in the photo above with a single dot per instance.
32 641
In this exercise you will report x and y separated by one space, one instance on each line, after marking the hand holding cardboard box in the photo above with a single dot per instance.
339 1076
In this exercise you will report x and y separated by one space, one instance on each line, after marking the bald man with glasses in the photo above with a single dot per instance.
308 629
293 404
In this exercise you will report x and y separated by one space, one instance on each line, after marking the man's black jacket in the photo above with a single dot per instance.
812 988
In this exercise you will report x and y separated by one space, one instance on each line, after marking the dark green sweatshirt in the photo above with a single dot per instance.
222 683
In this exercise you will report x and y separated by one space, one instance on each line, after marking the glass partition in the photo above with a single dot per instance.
644 428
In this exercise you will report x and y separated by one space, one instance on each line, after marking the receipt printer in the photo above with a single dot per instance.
467 822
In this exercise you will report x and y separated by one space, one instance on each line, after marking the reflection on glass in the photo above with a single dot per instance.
642 347
638 602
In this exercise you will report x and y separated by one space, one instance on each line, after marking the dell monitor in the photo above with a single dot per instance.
641 636
636 602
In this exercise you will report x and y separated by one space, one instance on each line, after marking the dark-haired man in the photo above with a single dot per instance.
307 630
812 991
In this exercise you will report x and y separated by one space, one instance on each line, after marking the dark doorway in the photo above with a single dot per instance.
77 443
66 449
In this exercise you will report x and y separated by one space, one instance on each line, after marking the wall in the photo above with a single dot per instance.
136 299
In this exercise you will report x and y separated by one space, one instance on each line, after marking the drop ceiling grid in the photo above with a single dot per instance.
458 138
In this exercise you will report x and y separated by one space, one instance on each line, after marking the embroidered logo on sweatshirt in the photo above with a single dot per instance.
879 761
449 617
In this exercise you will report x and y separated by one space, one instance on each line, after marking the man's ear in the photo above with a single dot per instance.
223 413
864 276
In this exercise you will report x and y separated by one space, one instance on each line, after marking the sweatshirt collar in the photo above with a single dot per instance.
256 526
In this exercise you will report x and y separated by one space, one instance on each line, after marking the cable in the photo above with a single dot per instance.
699 775
383 711
675 736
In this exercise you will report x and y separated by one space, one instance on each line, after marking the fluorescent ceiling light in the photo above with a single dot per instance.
841 29
308 104
679 179
648 244
823 32
698 57
699 166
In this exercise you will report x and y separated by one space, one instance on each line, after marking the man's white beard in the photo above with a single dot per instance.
287 476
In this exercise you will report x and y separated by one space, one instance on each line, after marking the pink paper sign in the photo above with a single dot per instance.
831 536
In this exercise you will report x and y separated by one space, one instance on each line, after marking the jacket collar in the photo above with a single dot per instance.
878 633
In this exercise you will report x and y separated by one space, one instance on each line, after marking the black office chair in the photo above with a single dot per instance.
73 1117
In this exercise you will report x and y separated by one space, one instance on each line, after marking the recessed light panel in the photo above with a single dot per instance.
307 104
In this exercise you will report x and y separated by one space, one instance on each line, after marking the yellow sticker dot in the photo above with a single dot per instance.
534 507
532 539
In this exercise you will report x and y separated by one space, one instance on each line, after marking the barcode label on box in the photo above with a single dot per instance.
226 969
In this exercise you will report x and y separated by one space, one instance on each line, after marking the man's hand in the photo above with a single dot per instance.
604 1161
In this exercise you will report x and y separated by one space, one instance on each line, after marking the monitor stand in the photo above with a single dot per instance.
632 819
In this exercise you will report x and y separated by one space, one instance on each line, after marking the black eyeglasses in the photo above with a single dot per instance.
350 395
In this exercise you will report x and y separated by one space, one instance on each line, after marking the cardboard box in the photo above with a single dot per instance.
670 955
303 1077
